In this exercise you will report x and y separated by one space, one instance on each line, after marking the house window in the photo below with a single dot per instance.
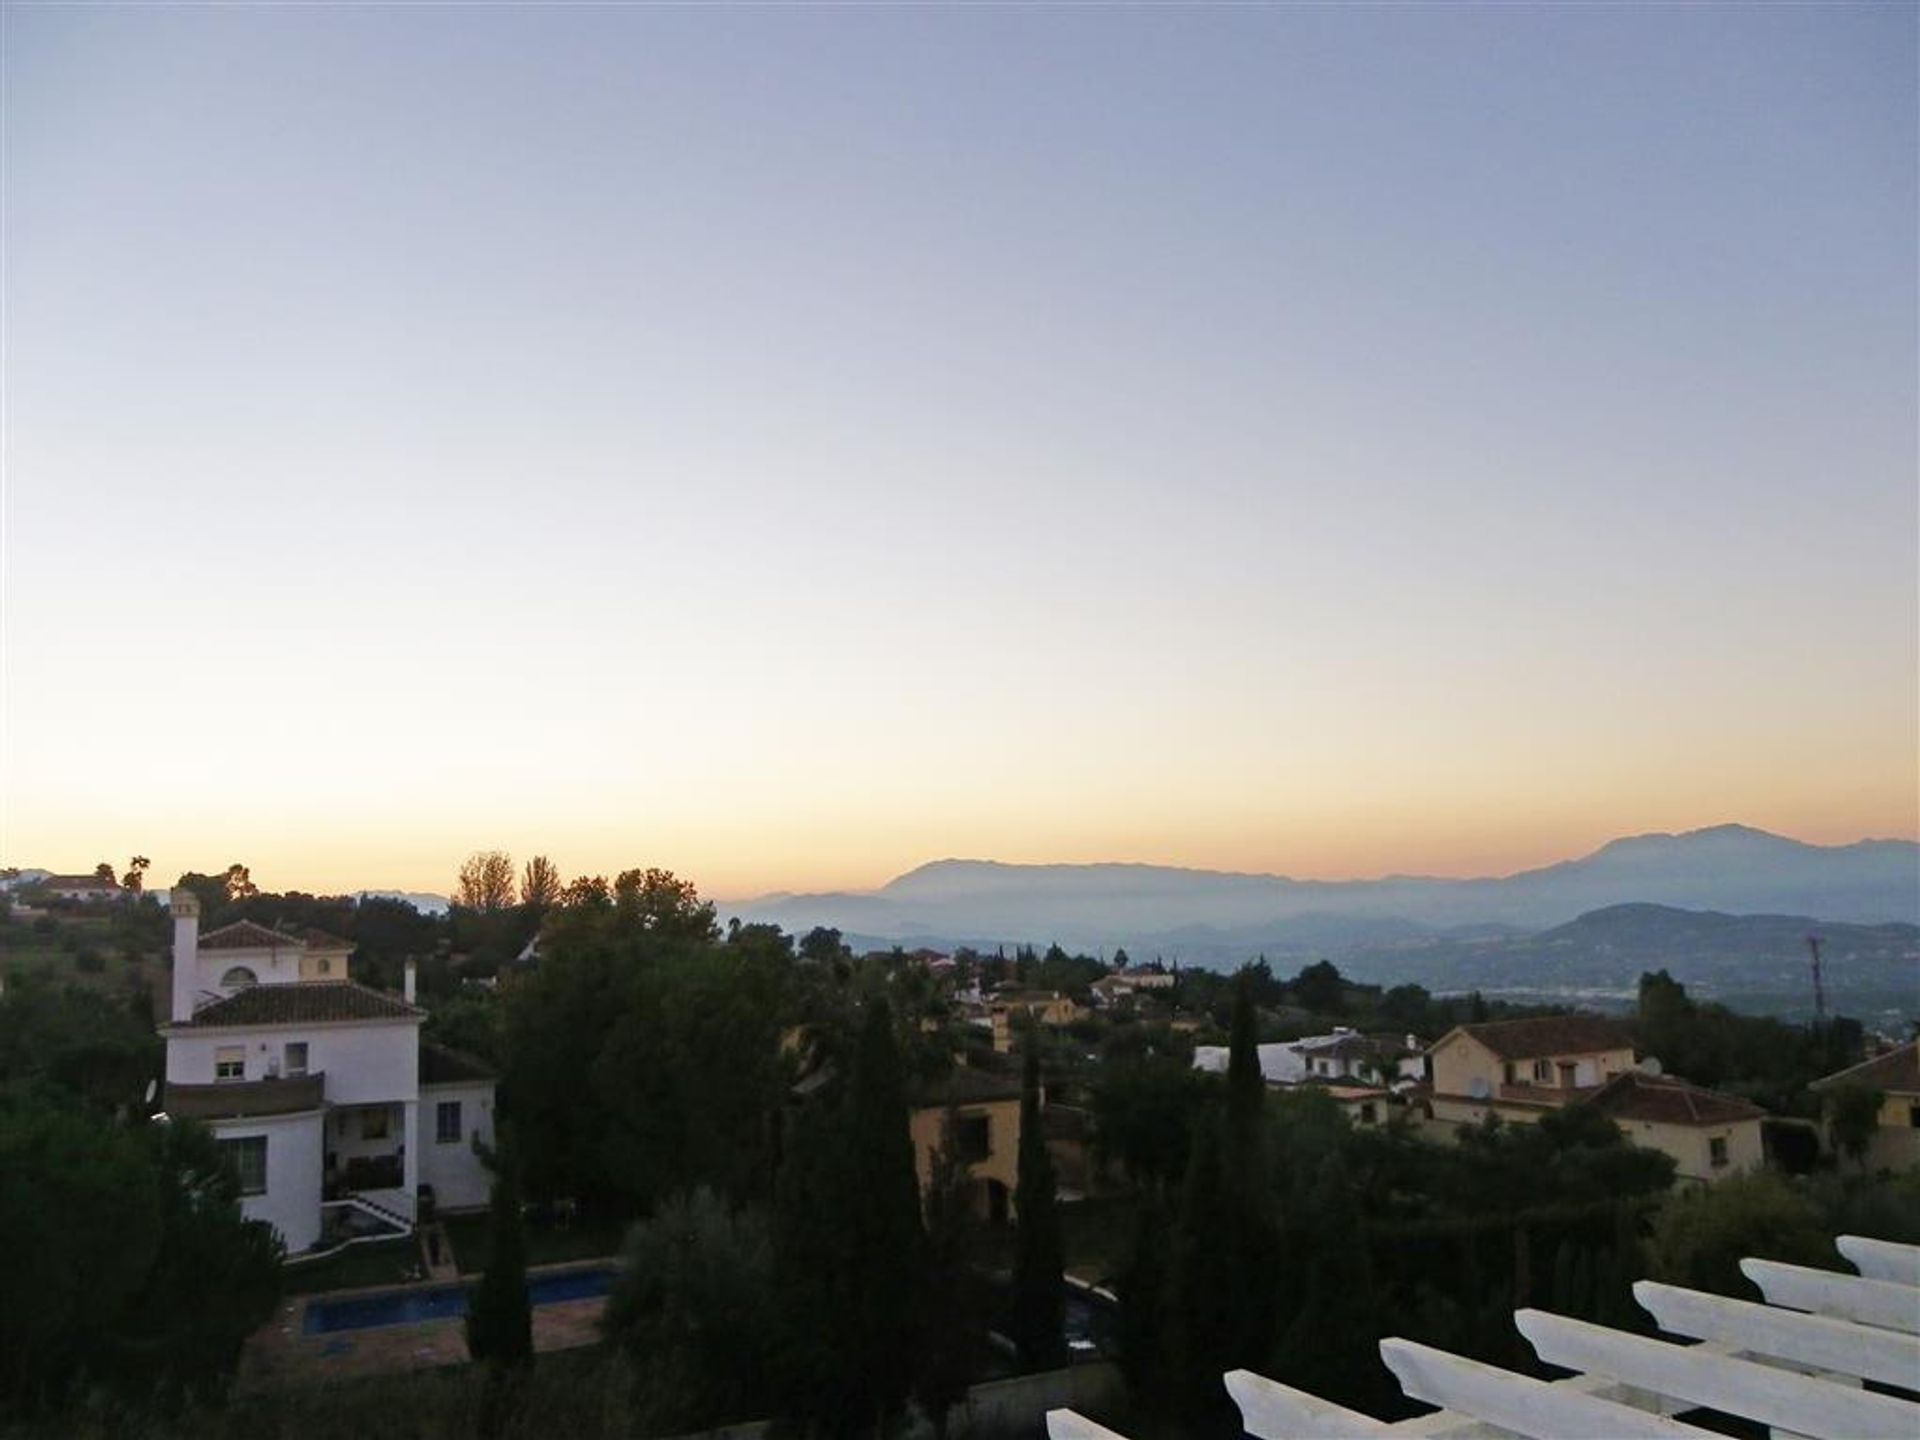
1367 1113
248 1156
1543 1071
373 1124
446 1122
323 967
239 975
1506 1072
1913 1117
230 1062
973 1134
1717 1151
296 1057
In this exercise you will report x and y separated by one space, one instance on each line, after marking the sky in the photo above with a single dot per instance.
788 445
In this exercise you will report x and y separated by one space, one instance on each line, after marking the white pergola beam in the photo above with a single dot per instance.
1519 1403
1882 1259
1777 1398
1272 1411
1817 1341
1071 1425
1825 1292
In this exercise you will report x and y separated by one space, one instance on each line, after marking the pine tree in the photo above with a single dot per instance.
1039 1292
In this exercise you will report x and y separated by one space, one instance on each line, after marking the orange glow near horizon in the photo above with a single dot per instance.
791 445
328 864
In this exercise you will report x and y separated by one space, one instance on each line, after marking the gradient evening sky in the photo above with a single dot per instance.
789 445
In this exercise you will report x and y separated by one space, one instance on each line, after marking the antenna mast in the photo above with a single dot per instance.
1819 991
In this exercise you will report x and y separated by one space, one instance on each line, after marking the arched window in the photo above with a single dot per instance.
239 975
325 967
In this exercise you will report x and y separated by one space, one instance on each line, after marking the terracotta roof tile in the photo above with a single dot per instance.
967 1085
1546 1035
1667 1101
317 940
306 1002
440 1065
1897 1070
246 935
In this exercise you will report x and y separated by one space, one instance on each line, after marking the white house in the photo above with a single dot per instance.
1343 1055
83 888
333 1111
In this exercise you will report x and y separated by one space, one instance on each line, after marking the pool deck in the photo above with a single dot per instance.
281 1353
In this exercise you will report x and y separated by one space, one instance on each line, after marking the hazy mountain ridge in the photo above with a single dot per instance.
1729 869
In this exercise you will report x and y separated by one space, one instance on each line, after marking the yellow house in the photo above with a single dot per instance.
326 956
1048 1007
1709 1135
984 1107
1002 1014
1896 1075
1363 1105
1520 1069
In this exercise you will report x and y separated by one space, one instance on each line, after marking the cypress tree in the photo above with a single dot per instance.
499 1318
1336 1305
954 1306
1142 1286
849 1246
1039 1292
1246 1087
1204 1277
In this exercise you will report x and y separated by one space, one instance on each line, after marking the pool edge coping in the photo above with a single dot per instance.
362 1292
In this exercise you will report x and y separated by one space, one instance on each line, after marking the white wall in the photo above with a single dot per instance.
292 1201
279 965
458 1178
366 1061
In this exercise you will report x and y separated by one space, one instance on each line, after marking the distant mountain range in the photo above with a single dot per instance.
425 903
1216 915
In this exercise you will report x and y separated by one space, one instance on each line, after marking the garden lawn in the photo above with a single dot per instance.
547 1244
390 1262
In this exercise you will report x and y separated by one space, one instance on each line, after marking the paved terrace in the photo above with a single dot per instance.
281 1353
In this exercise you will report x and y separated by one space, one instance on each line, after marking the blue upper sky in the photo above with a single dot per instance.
791 444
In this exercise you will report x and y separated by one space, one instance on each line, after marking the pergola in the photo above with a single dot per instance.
1796 1364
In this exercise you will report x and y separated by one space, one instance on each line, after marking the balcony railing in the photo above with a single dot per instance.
245 1099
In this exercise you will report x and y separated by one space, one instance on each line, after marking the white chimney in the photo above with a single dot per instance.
186 949
407 989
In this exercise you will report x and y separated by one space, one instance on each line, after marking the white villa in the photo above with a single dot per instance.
335 1113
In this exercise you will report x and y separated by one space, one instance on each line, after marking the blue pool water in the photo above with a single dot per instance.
444 1302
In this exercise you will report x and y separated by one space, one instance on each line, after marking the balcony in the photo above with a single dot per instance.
245 1099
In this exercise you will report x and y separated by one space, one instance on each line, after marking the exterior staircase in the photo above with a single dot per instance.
382 1210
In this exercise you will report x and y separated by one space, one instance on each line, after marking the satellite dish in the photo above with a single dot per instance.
1478 1088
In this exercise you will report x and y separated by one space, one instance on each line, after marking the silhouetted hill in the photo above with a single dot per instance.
1753 962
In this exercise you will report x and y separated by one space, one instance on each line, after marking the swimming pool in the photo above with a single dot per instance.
443 1302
